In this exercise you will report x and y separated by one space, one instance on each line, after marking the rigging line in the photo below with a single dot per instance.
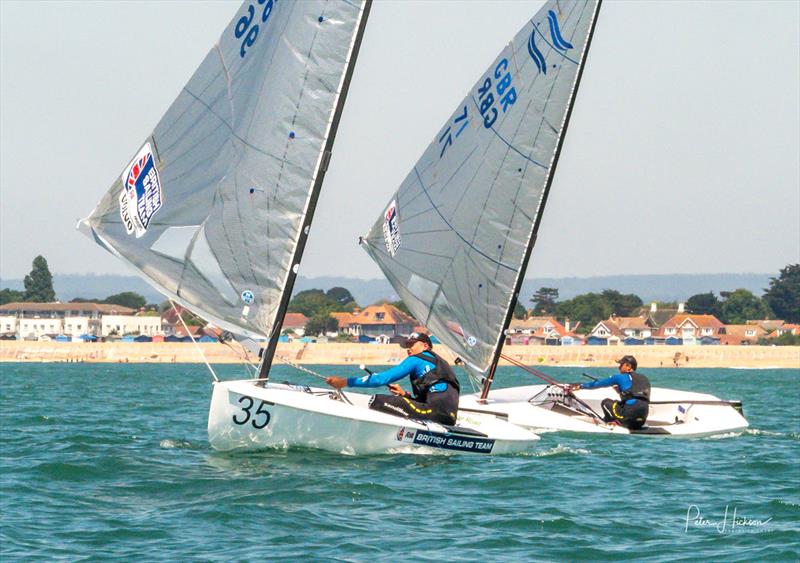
454 230
546 378
288 362
196 345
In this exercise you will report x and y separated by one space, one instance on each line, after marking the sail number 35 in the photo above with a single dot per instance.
247 29
258 419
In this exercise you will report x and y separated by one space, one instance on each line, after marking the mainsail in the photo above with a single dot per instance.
215 207
455 239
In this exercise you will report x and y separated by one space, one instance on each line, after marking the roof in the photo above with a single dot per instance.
104 308
343 319
194 330
767 324
659 317
391 315
700 321
294 320
538 326
635 323
732 339
740 331
611 326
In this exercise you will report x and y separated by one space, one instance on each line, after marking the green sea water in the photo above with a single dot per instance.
111 462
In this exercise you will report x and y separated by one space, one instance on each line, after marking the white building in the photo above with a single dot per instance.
8 324
120 325
35 320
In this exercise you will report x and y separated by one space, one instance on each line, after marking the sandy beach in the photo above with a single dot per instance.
375 354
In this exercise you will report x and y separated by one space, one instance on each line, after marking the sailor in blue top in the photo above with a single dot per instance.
634 390
435 385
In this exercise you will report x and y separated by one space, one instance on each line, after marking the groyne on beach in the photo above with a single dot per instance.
376 354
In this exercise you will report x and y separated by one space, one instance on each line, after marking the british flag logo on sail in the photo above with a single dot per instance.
391 233
141 196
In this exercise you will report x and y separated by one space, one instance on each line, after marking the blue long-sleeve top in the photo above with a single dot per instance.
412 366
622 380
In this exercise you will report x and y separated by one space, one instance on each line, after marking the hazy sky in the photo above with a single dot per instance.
683 153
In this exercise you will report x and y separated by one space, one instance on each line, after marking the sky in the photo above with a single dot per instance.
682 154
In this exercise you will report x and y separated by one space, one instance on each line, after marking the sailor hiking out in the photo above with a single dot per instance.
435 385
634 391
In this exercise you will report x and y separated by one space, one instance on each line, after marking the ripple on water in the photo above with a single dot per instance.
102 462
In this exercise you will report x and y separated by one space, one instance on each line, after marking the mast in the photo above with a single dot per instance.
487 383
269 352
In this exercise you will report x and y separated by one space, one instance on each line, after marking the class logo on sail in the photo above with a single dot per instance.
556 40
391 232
141 196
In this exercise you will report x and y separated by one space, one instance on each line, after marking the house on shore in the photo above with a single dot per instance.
295 322
384 320
623 330
40 320
542 330
689 328
738 335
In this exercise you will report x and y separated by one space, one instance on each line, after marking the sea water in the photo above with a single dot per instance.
104 461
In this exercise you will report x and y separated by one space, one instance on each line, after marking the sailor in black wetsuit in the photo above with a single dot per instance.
432 379
634 391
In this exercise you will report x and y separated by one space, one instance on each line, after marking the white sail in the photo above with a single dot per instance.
455 239
216 202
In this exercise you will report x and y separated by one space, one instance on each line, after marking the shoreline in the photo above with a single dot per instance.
380 354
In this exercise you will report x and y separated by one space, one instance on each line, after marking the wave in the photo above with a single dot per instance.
561 449
758 432
178 445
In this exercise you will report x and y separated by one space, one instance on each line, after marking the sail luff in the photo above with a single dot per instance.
322 167
539 212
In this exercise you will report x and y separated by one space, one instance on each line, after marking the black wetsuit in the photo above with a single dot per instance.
632 408
435 388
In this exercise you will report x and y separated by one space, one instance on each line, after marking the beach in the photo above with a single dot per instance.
378 354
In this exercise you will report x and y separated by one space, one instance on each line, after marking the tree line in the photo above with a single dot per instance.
781 300
39 289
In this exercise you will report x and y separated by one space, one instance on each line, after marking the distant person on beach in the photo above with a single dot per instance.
634 391
435 385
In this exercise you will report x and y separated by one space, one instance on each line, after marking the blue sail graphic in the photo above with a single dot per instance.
536 54
555 32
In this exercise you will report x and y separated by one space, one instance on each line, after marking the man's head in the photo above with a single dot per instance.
416 343
627 364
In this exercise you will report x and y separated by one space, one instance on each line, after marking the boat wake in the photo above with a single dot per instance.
179 445
561 450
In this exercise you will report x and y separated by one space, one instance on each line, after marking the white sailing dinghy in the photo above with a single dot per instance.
456 237
215 208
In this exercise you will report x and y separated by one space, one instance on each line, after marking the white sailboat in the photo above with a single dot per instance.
215 208
456 237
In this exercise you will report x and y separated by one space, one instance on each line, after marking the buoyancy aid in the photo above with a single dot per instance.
640 388
441 372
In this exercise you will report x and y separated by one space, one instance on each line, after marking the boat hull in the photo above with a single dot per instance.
246 416
683 415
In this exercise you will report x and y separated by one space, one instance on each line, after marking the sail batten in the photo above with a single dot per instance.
465 217
213 208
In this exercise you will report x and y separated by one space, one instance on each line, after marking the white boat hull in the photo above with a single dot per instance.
683 414
247 416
